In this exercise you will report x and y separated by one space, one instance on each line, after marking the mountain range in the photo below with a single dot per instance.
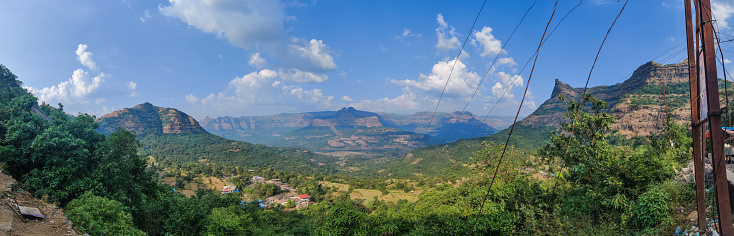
271 130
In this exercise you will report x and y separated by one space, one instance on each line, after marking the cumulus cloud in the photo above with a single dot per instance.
347 99
254 24
462 82
508 61
505 82
408 101
297 75
446 35
245 24
264 88
257 61
85 57
722 11
132 85
191 98
314 53
490 45
311 96
75 90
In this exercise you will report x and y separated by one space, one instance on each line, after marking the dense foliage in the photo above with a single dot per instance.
187 148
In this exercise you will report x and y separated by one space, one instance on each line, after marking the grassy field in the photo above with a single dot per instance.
368 194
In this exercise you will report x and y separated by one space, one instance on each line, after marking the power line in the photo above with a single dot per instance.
452 71
582 99
513 123
523 68
489 69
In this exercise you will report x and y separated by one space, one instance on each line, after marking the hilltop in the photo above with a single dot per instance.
146 119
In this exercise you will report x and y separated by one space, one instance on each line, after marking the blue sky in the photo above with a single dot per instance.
235 58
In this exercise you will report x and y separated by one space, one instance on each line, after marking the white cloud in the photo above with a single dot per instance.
255 60
146 16
245 24
347 99
408 101
314 96
254 24
722 11
506 61
297 75
75 90
446 35
461 83
247 85
407 34
506 82
132 85
85 57
490 45
191 98
314 54
727 61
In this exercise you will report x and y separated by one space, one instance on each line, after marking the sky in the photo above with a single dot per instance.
264 57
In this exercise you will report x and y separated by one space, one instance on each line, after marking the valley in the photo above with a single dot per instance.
357 118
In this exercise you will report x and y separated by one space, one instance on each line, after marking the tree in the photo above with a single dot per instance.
345 218
590 164
100 216
231 220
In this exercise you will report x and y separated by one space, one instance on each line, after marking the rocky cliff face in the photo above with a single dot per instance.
637 103
146 119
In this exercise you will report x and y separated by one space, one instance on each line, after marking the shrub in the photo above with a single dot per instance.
651 208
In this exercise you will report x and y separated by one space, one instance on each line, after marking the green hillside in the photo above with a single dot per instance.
172 137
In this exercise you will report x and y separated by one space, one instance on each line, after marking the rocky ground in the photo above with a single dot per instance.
55 222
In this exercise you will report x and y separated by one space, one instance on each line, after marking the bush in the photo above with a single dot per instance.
96 215
651 208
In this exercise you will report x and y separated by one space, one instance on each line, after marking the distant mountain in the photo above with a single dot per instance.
146 119
447 126
173 137
637 105
353 130
266 129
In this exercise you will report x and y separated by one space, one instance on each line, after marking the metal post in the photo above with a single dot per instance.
695 126
714 118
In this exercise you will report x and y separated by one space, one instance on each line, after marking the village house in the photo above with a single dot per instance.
229 189
257 179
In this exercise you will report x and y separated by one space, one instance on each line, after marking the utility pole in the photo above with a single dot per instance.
714 118
695 125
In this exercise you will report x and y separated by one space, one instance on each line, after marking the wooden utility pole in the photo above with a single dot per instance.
695 126
714 118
